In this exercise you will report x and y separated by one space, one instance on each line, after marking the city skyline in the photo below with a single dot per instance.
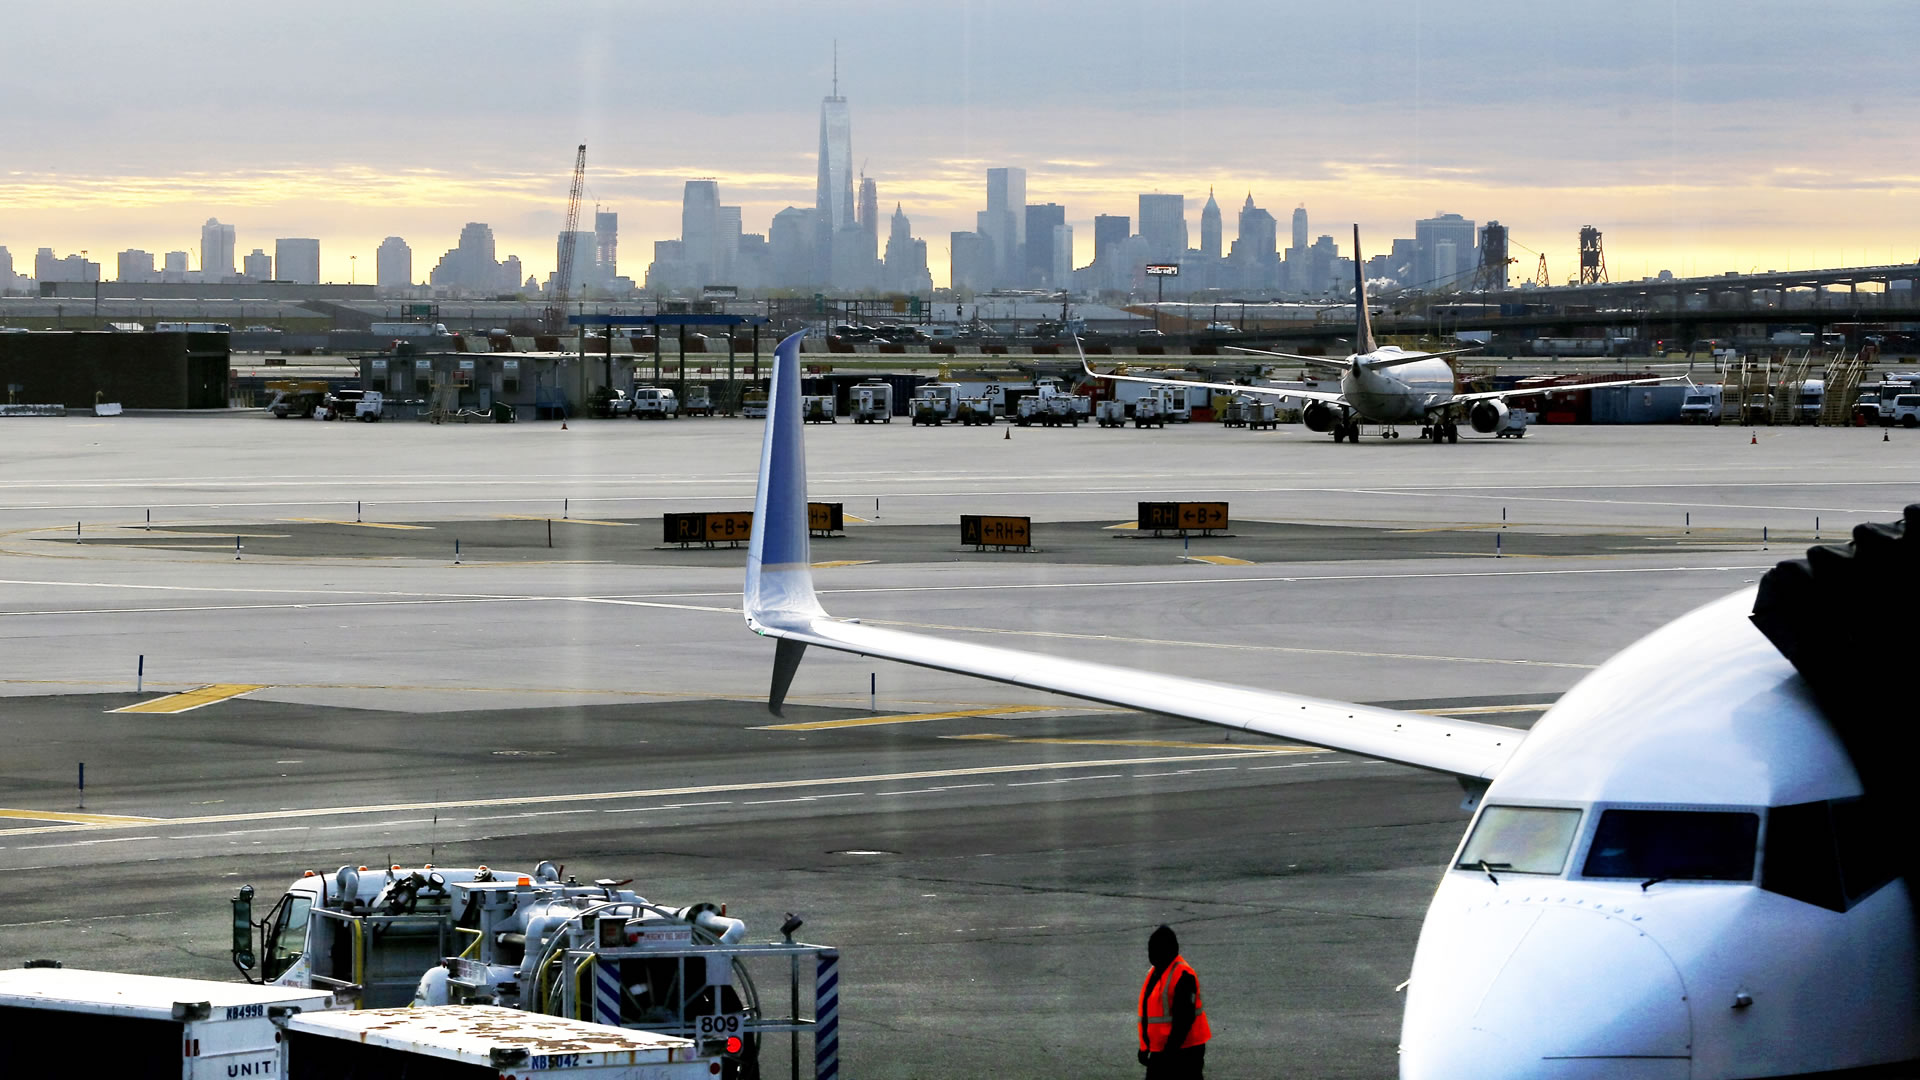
1685 160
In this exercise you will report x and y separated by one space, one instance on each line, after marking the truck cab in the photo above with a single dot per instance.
1701 405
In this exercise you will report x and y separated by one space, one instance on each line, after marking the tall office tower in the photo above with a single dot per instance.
833 196
68 268
257 266
1210 228
970 262
867 216
216 251
1005 223
393 264
1300 228
582 281
792 238
1037 266
728 242
470 266
1442 252
1163 225
297 260
132 265
700 230
1061 272
1109 232
7 276
906 264
1256 249
606 246
176 262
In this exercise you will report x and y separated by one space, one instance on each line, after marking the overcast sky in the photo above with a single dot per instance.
1698 136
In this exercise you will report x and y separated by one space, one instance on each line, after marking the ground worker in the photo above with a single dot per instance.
1173 1022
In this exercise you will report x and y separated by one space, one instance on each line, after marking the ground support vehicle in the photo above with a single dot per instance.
1515 425
1234 413
699 401
654 403
1701 405
456 1040
1905 411
935 404
818 409
872 402
976 411
69 1022
537 942
301 399
1262 416
753 404
1149 412
365 405
1111 413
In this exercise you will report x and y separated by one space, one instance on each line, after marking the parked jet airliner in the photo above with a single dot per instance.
1670 877
1381 384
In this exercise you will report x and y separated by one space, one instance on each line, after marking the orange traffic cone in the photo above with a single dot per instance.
1755 442
1008 435
563 425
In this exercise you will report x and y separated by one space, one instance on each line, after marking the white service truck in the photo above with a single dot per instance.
653 403
935 403
537 942
872 402
1050 406
1701 405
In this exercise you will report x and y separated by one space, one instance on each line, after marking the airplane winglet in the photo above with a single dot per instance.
779 589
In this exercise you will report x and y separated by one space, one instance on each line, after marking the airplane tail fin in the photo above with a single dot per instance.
1362 319
779 587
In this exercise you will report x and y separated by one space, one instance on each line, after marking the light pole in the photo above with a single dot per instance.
353 269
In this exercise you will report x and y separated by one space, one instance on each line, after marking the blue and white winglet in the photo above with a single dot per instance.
780 604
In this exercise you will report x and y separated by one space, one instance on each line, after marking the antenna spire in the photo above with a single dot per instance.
836 67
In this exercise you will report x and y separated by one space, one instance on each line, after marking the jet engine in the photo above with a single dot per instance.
1317 416
1488 416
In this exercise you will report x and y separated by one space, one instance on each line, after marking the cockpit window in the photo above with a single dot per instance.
1521 840
1677 845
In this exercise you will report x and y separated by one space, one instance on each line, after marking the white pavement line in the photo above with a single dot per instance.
1066 780
928 790
806 798
668 806
85 919
1506 495
82 843
376 824
1296 765
504 817
263 592
652 793
649 604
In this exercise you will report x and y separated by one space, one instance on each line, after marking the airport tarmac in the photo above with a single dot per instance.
988 859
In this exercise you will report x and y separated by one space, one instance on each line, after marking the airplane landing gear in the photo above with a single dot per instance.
1346 429
1389 433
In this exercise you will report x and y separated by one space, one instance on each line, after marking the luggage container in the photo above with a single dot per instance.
72 1022
450 1042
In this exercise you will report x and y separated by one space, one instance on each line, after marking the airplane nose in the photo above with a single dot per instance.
1526 990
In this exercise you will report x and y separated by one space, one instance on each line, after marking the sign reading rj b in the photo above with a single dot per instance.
1183 516
726 528
1004 532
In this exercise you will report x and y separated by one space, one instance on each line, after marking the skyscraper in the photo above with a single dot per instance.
606 245
970 264
216 251
1299 227
134 265
1442 252
1256 248
1110 235
1004 225
700 231
906 266
1163 225
393 264
728 244
1210 228
581 282
867 216
8 280
297 260
257 266
833 196
1037 268
792 247
471 267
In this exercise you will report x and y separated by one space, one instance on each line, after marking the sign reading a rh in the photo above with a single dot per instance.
998 532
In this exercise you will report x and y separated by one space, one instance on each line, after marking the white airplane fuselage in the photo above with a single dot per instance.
1584 975
1403 394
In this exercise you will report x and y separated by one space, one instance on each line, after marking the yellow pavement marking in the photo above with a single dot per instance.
76 819
1219 560
360 524
204 534
1257 748
1124 525
855 520
297 814
1482 710
1450 528
193 699
568 520
842 562
906 718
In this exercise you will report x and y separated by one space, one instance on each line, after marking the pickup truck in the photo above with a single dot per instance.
358 404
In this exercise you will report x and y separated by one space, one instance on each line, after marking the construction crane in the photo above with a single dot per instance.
556 314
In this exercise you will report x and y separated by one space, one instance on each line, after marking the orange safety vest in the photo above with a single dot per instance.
1156 1008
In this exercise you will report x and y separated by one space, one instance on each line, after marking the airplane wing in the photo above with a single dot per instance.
780 603
1321 361
1408 358
1333 397
1501 395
